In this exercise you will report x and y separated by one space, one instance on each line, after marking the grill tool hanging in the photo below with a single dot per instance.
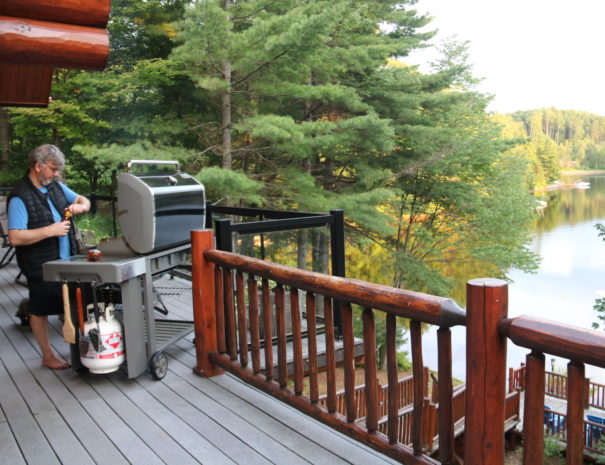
80 307
95 334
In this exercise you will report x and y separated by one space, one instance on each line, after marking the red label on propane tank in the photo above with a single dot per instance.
111 355
113 340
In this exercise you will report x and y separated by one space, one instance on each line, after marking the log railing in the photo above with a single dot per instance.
596 395
405 396
226 291
555 385
580 347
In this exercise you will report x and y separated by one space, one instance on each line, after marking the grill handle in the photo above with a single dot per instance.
153 162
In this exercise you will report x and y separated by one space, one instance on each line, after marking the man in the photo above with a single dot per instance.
39 232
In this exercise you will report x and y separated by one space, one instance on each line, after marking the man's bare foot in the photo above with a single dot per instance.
56 364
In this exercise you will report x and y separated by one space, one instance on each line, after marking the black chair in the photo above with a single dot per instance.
9 254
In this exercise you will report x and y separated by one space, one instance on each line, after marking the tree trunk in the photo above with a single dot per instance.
4 138
320 252
226 108
303 234
302 248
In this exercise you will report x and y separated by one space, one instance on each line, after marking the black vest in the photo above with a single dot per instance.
31 257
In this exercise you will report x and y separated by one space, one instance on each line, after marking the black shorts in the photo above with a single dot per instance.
45 297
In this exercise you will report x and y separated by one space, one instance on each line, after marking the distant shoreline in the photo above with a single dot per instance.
567 185
582 172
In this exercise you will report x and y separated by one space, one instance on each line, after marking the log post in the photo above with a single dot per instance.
485 372
204 316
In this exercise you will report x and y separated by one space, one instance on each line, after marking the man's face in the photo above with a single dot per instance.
47 172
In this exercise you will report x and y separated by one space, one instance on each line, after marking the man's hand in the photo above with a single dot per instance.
60 228
81 205
77 208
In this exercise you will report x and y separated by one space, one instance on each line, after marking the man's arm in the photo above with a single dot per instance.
19 237
18 234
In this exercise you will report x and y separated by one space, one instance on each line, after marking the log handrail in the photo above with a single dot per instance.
425 308
546 336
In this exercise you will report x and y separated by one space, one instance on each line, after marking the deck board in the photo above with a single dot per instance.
27 434
9 450
52 417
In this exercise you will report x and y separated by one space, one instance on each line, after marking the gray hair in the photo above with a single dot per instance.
46 153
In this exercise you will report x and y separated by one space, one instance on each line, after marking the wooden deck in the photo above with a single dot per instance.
49 417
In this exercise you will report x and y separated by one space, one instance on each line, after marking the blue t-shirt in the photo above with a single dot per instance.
18 217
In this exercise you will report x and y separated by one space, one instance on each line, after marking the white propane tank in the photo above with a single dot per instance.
110 341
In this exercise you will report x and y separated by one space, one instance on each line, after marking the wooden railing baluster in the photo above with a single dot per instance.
371 397
297 342
349 360
575 414
241 319
394 398
254 323
280 318
312 341
330 355
445 390
219 301
266 305
230 315
533 425
417 369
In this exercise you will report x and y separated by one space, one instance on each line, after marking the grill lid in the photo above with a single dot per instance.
158 210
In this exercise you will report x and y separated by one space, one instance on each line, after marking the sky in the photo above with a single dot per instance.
530 53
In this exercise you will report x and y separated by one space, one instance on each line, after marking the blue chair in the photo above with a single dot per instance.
593 432
595 419
553 422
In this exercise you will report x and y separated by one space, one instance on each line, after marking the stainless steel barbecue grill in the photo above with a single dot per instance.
156 210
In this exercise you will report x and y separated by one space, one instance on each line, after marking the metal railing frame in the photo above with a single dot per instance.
280 220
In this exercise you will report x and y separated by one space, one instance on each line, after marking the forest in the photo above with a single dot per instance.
310 105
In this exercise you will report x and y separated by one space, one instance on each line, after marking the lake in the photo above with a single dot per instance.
570 277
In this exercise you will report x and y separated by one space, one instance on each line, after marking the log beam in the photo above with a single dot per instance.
32 42
94 13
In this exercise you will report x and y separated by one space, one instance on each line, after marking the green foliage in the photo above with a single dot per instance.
225 185
562 139
599 305
100 224
552 447
600 446
324 115
403 361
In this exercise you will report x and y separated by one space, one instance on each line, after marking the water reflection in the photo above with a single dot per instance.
571 273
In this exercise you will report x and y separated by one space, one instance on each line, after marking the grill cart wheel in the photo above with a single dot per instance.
158 365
